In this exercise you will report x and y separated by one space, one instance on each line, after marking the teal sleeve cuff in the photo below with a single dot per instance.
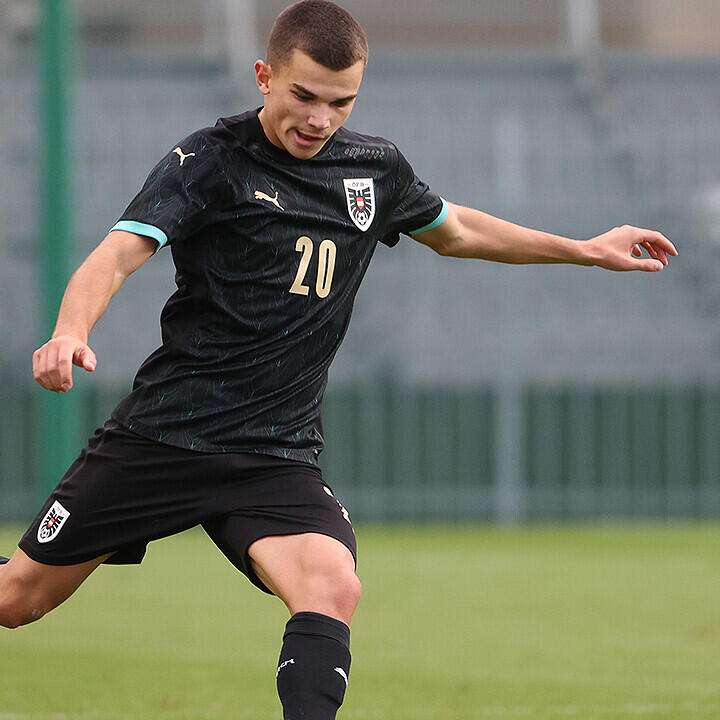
142 229
437 221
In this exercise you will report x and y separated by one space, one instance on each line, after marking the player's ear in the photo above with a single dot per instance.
263 73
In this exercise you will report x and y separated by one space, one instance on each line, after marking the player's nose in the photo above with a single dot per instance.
319 121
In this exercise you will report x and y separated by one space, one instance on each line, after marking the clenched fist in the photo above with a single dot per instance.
52 363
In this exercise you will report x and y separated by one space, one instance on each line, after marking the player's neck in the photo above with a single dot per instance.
268 130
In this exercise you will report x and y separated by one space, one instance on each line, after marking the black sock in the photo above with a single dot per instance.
314 666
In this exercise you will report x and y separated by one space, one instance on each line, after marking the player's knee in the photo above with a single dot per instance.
9 619
354 590
17 607
344 592
330 590
12 614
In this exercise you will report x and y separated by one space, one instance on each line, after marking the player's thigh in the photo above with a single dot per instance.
29 589
308 571
284 521
122 492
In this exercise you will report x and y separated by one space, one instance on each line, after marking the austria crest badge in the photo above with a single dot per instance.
360 196
52 522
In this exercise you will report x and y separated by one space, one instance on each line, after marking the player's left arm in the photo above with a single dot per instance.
468 233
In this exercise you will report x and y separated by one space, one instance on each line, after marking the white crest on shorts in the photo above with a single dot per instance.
360 198
52 523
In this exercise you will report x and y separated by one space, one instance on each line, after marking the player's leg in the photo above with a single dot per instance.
122 492
65 542
309 572
29 589
314 575
292 538
48 565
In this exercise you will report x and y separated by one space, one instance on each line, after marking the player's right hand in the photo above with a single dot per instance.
52 363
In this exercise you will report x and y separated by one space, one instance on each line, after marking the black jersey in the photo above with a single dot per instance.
269 252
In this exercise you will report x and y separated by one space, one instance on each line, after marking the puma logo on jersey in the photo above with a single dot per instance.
182 155
260 195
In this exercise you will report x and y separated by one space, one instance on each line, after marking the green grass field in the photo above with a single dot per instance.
550 621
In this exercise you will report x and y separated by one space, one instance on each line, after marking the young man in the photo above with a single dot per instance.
272 217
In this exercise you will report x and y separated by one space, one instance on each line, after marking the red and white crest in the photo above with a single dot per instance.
52 522
360 197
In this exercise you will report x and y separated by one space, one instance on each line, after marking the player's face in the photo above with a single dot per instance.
305 102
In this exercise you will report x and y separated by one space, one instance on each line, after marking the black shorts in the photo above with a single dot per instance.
126 490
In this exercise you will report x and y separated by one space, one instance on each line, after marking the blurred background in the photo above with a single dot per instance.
464 389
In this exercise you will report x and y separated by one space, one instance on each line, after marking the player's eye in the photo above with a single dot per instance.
303 98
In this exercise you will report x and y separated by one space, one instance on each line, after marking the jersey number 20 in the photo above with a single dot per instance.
326 266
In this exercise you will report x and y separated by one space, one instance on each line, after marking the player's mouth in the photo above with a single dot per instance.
305 140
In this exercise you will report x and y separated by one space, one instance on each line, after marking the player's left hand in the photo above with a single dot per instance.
621 249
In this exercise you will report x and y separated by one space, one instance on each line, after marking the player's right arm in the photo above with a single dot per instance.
86 297
179 196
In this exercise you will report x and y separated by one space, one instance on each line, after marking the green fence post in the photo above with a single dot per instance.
58 422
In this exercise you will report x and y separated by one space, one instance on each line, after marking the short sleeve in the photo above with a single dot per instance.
181 195
416 207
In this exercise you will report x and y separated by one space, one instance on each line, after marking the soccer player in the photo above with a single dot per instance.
272 217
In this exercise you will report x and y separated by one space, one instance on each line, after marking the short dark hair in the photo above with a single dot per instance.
323 30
